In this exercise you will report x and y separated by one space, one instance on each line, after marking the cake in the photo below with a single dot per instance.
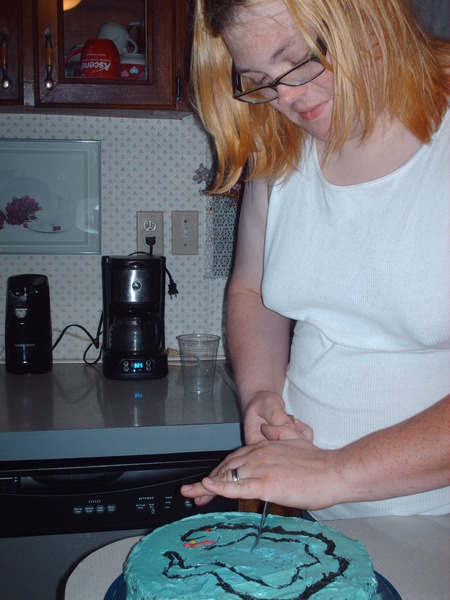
209 557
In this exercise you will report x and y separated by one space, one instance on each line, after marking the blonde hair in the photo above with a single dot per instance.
381 60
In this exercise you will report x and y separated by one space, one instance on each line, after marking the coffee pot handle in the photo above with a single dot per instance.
153 332
139 44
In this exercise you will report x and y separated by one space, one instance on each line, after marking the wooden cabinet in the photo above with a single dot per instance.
11 56
41 35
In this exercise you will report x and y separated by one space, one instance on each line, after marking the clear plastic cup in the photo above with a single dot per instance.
198 354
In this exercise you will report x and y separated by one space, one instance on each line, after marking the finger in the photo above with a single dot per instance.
283 432
227 472
244 488
305 429
203 500
195 490
232 461
279 417
253 434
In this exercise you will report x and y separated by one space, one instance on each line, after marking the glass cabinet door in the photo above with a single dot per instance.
11 85
111 53
105 42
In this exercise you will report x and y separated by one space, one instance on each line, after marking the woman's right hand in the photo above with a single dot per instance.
267 408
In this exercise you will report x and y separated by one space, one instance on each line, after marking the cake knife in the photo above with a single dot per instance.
266 510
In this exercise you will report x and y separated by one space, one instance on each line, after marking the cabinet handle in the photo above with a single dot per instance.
4 57
48 58
178 87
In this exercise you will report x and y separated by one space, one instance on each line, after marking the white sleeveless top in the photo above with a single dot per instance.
364 270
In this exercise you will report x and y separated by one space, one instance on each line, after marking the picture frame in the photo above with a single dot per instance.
50 196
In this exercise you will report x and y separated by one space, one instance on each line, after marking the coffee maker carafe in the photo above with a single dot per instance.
133 317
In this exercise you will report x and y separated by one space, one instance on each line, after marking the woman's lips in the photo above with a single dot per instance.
313 112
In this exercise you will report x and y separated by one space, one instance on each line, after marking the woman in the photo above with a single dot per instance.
342 107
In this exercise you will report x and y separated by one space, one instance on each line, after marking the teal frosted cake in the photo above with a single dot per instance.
209 557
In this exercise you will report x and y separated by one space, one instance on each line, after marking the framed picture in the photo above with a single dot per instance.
49 196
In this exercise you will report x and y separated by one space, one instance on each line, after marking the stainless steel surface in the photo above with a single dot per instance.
75 412
266 510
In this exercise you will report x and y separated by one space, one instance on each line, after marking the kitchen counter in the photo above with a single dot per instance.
412 553
76 412
86 461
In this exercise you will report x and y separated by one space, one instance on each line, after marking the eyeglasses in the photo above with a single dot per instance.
303 73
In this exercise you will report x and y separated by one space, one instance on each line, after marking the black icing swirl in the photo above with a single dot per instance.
276 535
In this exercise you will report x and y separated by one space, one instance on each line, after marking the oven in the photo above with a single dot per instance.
85 461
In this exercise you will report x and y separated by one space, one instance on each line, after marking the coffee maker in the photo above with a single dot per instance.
28 329
133 317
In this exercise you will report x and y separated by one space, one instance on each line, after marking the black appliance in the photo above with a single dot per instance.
133 317
28 329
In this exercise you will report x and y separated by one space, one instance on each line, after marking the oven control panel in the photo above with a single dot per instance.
69 502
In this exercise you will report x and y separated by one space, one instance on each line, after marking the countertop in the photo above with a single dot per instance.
412 553
75 412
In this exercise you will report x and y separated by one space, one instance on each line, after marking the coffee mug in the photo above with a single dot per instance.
99 58
140 34
132 66
119 35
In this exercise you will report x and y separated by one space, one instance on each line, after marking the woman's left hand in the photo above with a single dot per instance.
286 469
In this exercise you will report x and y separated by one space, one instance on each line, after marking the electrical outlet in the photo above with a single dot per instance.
150 224
185 232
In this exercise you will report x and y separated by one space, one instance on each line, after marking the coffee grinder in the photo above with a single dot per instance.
133 317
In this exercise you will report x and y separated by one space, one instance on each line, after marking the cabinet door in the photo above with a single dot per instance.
158 32
11 74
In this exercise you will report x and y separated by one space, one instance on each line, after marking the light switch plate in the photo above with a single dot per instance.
185 232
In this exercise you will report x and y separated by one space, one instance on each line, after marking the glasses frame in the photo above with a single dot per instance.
238 94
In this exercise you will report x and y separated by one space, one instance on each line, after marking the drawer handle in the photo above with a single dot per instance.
178 87
48 58
4 57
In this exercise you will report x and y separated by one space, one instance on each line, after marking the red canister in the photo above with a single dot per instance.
132 66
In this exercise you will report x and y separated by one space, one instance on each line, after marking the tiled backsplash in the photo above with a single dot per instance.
147 164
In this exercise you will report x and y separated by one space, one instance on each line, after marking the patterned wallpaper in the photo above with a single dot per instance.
146 164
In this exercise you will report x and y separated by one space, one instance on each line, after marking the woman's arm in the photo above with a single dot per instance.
410 457
258 339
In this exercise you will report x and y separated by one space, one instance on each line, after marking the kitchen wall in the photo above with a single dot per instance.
146 164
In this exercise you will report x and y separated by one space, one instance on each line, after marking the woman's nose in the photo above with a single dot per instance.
287 94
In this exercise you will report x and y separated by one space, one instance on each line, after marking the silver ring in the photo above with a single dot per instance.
234 475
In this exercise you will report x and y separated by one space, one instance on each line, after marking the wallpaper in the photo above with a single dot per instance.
146 164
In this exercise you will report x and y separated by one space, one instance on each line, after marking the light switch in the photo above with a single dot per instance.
185 232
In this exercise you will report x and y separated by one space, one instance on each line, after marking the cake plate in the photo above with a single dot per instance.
118 589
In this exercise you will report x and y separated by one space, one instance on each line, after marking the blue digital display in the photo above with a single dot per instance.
137 366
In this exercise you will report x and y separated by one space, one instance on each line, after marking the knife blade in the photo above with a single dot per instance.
266 510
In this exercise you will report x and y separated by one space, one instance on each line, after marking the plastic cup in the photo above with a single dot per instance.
198 354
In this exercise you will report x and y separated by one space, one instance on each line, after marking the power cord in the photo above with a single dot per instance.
94 341
172 287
